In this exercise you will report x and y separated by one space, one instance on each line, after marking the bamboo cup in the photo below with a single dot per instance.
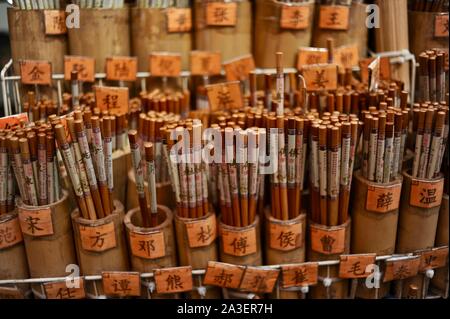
270 37
101 245
328 243
230 41
284 248
151 248
47 233
13 260
440 279
121 164
102 33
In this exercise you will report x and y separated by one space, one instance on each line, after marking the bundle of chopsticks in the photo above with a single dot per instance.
432 75
170 102
86 146
30 154
40 110
430 127
39 4
429 5
105 4
162 3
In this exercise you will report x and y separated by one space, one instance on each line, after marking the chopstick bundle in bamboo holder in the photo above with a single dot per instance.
224 26
281 26
161 28
433 86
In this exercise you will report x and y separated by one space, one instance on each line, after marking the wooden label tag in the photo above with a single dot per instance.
36 222
165 64
202 232
221 14
13 120
239 243
433 258
334 17
259 280
285 237
121 284
426 194
299 275
355 266
401 268
85 66
346 56
205 63
59 290
98 238
384 64
328 241
238 69
383 199
441 25
173 280
294 17
55 22
35 72
11 293
179 19
320 77
308 55
148 246
121 68
224 96
374 74
113 99
10 233
223 275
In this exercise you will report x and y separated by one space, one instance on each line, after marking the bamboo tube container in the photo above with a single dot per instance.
356 32
97 253
121 164
143 258
285 250
51 248
102 33
440 279
270 37
13 260
149 32
164 193
230 41
319 249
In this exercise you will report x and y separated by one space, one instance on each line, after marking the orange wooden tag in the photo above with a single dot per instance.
12 120
172 280
205 63
223 275
433 258
307 55
294 17
426 194
401 268
165 64
11 293
385 68
85 66
113 99
441 25
355 266
328 241
36 222
334 17
346 56
59 290
179 19
35 72
98 238
320 76
121 284
383 199
202 232
10 233
298 275
238 69
221 14
224 96
55 22
239 243
121 68
148 246
259 279
285 237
